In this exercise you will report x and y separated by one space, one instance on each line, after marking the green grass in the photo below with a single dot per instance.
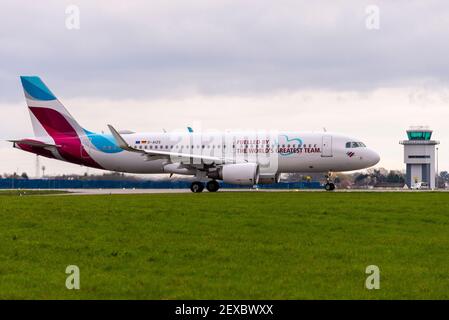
18 192
226 245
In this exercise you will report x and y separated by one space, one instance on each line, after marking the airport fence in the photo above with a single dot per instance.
134 184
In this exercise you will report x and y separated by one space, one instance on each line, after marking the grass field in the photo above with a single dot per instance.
226 245
16 192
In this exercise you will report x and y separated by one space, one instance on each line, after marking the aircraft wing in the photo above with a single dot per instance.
164 154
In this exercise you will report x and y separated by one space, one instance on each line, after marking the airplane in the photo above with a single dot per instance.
242 158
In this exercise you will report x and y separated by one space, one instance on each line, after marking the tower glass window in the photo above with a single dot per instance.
419 135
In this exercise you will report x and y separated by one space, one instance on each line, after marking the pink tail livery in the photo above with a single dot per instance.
53 126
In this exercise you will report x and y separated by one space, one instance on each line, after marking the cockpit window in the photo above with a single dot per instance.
352 144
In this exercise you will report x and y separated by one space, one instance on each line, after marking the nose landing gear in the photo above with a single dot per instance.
329 186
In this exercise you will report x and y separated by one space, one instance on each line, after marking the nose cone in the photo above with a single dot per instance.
372 158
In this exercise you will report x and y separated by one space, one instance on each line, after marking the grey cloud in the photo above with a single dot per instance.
168 49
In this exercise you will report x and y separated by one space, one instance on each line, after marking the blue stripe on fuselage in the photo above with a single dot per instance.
103 142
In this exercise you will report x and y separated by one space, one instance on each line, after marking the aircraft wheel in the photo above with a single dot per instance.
329 186
197 187
212 186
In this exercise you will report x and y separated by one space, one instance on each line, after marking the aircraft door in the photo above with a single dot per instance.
326 147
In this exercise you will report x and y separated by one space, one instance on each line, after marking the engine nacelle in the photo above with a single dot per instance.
269 178
239 173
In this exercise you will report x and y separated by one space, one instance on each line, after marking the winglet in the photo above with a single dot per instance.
119 139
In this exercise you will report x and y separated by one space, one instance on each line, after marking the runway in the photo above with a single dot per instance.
168 191
158 191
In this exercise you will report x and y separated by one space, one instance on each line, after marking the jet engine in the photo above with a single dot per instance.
239 173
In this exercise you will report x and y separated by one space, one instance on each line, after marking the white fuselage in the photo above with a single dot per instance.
279 152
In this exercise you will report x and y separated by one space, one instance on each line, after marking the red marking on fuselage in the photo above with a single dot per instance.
65 136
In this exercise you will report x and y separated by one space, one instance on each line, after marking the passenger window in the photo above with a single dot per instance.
348 144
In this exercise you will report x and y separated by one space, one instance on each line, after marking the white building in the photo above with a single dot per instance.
419 157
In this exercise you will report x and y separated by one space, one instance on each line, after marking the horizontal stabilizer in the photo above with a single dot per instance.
33 143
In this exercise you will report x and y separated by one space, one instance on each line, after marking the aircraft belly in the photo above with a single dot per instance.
128 162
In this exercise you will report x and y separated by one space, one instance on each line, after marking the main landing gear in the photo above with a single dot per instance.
211 186
329 186
197 187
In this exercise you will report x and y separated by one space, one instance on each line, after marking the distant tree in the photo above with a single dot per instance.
377 172
444 175
24 175
395 177
443 179
361 178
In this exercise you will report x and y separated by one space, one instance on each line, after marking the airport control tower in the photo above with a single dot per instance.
419 157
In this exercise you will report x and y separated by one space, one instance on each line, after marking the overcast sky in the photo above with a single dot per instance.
288 65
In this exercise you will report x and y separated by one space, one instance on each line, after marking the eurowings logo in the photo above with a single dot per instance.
294 143
350 154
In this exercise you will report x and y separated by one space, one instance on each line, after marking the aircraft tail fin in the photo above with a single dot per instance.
48 115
